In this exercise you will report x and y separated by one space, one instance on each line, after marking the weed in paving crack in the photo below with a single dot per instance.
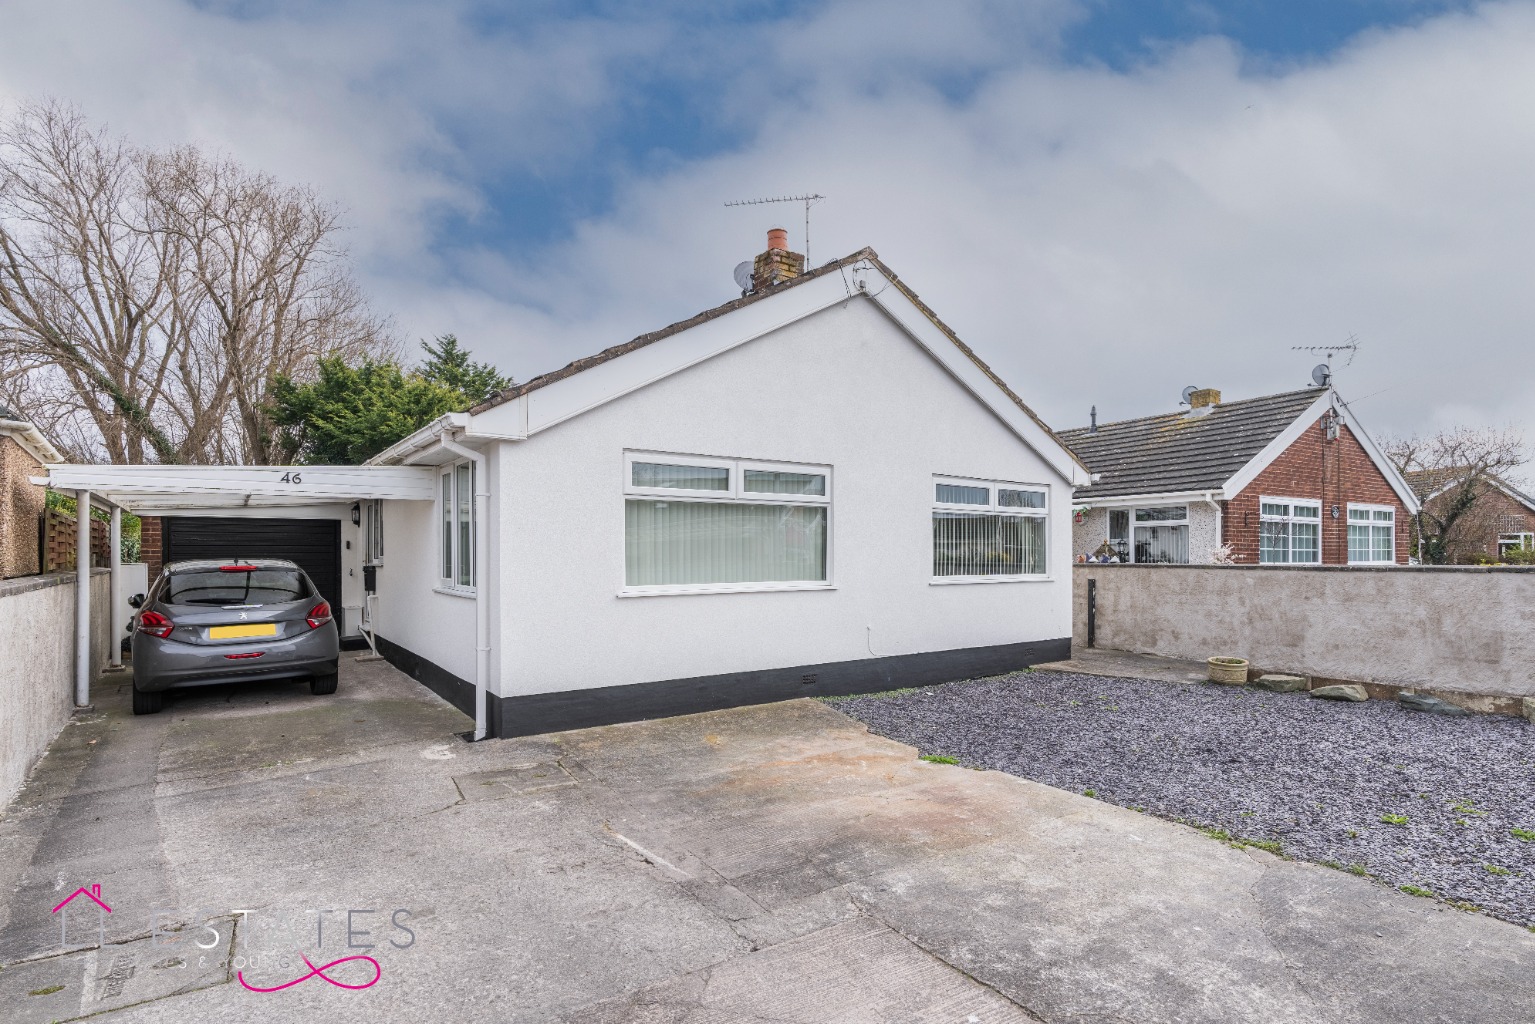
1394 819
938 759
1417 890
1493 869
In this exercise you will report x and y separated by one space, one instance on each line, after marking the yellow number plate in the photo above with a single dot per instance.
254 629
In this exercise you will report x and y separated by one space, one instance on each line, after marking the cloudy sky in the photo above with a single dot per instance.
1109 199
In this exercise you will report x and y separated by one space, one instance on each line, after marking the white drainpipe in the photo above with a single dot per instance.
481 578
82 599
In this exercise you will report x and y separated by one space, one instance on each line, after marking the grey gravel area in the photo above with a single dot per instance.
1319 777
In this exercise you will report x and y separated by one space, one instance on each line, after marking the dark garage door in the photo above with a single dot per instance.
315 544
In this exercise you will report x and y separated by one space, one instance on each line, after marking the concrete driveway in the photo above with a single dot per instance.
764 864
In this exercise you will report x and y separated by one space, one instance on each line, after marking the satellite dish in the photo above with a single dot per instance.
743 273
1188 394
1321 373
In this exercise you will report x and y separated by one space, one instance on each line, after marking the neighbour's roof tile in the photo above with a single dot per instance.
1178 452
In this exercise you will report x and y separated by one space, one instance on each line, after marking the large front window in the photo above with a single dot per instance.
1371 534
1162 535
1289 531
986 530
458 527
701 524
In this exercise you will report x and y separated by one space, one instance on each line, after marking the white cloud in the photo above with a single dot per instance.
1099 236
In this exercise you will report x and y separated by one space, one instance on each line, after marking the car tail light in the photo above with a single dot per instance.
237 568
155 624
319 615
247 654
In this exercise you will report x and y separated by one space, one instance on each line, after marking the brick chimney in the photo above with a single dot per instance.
1204 398
778 264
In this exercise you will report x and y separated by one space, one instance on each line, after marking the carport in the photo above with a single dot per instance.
205 490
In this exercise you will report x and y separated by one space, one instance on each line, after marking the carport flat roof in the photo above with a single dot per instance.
156 488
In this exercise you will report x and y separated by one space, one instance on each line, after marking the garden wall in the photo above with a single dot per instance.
37 665
1456 628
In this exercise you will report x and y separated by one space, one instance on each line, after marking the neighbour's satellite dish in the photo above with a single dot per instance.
743 274
1188 394
1321 373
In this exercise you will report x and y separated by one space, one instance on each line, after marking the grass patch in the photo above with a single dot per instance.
1090 792
871 696
1470 908
1417 890
1358 869
50 990
1528 835
1273 846
1394 819
938 759
1493 869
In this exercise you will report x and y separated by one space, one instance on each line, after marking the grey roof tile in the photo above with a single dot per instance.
1179 452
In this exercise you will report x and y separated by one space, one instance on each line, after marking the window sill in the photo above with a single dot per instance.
456 592
948 581
721 588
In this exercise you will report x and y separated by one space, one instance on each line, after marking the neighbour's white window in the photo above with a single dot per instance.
459 535
701 524
1289 531
1515 542
1371 533
1162 535
988 530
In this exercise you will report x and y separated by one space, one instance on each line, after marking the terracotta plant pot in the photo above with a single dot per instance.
1231 671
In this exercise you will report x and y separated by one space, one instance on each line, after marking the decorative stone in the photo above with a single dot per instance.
1280 683
1431 705
1341 691
1529 709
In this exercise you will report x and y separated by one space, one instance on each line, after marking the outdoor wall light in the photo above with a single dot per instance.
356 513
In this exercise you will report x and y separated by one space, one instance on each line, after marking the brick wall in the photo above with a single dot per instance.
21 508
151 550
1333 472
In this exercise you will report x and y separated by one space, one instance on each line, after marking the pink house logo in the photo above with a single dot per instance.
102 910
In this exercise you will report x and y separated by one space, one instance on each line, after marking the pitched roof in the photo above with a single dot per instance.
835 266
1426 483
1177 452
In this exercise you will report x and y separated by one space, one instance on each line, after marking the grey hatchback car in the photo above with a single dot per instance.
206 622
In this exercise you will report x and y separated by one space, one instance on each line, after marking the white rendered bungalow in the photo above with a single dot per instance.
813 489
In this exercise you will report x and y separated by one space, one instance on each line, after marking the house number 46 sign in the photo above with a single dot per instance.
292 478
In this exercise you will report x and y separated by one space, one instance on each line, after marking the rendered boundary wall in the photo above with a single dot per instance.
1469 629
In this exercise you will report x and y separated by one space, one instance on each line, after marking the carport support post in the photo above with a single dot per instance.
82 599
115 637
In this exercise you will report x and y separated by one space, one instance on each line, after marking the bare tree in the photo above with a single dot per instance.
1453 472
151 299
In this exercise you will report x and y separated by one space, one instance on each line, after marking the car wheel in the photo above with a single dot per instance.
146 703
321 685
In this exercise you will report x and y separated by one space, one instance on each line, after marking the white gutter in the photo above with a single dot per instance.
481 578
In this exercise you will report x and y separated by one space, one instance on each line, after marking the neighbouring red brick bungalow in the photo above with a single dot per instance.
1281 479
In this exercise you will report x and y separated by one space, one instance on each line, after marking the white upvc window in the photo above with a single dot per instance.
698 524
458 534
1371 534
988 530
1289 531
1515 542
373 533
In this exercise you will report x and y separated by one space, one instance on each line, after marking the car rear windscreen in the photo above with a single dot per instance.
260 586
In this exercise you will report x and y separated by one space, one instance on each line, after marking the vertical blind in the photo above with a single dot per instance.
1162 544
687 542
966 544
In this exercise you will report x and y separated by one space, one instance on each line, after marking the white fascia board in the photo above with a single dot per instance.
31 440
1157 498
1277 447
1387 468
920 327
236 486
422 437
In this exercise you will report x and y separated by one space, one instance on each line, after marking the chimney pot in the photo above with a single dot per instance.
1204 398
778 238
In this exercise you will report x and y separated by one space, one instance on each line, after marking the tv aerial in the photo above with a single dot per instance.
1321 374
809 199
